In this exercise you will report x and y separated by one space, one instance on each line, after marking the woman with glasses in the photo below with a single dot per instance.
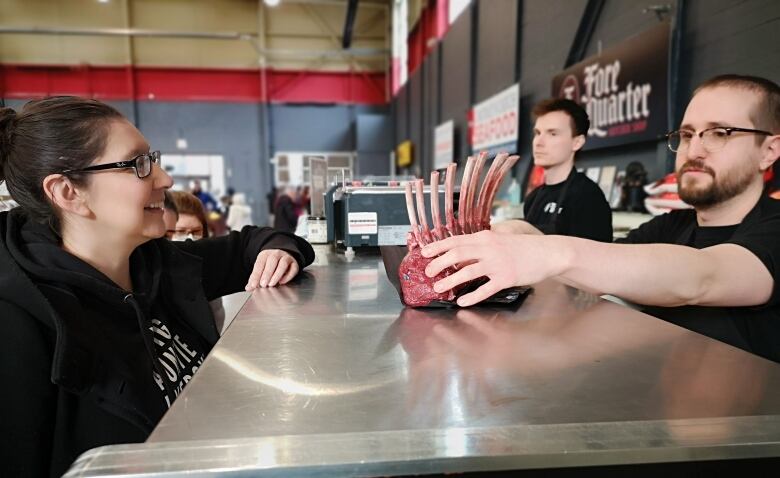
103 320
191 222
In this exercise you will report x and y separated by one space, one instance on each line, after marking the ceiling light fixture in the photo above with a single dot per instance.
272 3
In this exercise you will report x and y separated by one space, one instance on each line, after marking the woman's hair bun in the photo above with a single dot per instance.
7 119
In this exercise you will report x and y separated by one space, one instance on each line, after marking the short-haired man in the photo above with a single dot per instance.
568 203
712 269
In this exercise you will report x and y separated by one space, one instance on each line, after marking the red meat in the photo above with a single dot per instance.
473 216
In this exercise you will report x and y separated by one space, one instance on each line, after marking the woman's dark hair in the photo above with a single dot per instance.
49 136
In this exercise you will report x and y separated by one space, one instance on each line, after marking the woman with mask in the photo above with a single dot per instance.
191 223
103 320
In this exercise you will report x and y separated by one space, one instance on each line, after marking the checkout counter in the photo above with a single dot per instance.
332 376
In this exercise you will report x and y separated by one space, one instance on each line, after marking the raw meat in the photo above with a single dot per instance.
473 216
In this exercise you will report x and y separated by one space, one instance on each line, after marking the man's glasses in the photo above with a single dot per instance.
713 139
141 163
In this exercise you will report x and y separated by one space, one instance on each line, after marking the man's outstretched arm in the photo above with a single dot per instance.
652 274
667 274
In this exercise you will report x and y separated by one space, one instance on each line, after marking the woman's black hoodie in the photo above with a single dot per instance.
85 363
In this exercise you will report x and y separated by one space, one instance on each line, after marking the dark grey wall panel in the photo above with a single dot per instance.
402 115
430 108
620 20
547 33
374 143
496 47
730 37
455 78
372 133
416 119
373 164
312 128
229 129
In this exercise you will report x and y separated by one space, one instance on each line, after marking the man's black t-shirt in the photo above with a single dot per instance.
755 329
583 212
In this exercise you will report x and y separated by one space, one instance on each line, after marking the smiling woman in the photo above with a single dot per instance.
103 320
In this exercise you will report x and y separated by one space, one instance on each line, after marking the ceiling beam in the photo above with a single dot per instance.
378 4
349 24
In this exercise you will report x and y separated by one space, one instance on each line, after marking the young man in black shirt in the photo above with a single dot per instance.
712 269
568 203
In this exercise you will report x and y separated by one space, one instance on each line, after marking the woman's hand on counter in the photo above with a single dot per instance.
273 267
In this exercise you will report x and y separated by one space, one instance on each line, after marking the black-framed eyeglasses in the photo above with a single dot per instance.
141 163
713 139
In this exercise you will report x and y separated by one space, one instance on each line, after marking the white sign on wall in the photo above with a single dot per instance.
456 7
494 122
443 141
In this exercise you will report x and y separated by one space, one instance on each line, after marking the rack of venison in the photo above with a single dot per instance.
473 215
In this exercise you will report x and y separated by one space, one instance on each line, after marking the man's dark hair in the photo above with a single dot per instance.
766 113
580 123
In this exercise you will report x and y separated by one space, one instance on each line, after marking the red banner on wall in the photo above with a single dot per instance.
190 84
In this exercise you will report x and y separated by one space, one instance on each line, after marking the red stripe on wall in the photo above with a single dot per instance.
303 87
190 84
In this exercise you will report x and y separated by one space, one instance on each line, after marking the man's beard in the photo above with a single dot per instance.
718 191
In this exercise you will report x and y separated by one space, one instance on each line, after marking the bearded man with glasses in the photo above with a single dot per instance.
711 269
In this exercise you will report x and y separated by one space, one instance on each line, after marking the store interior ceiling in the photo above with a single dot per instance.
295 35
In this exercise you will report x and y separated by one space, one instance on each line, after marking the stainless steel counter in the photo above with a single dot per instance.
333 377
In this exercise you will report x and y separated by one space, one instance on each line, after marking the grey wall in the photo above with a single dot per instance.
455 80
373 144
718 36
729 36
416 119
496 47
234 130
400 110
547 33
229 129
430 80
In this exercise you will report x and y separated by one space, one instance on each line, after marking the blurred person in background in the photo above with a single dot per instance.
568 203
286 210
204 196
240 214
305 201
190 224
